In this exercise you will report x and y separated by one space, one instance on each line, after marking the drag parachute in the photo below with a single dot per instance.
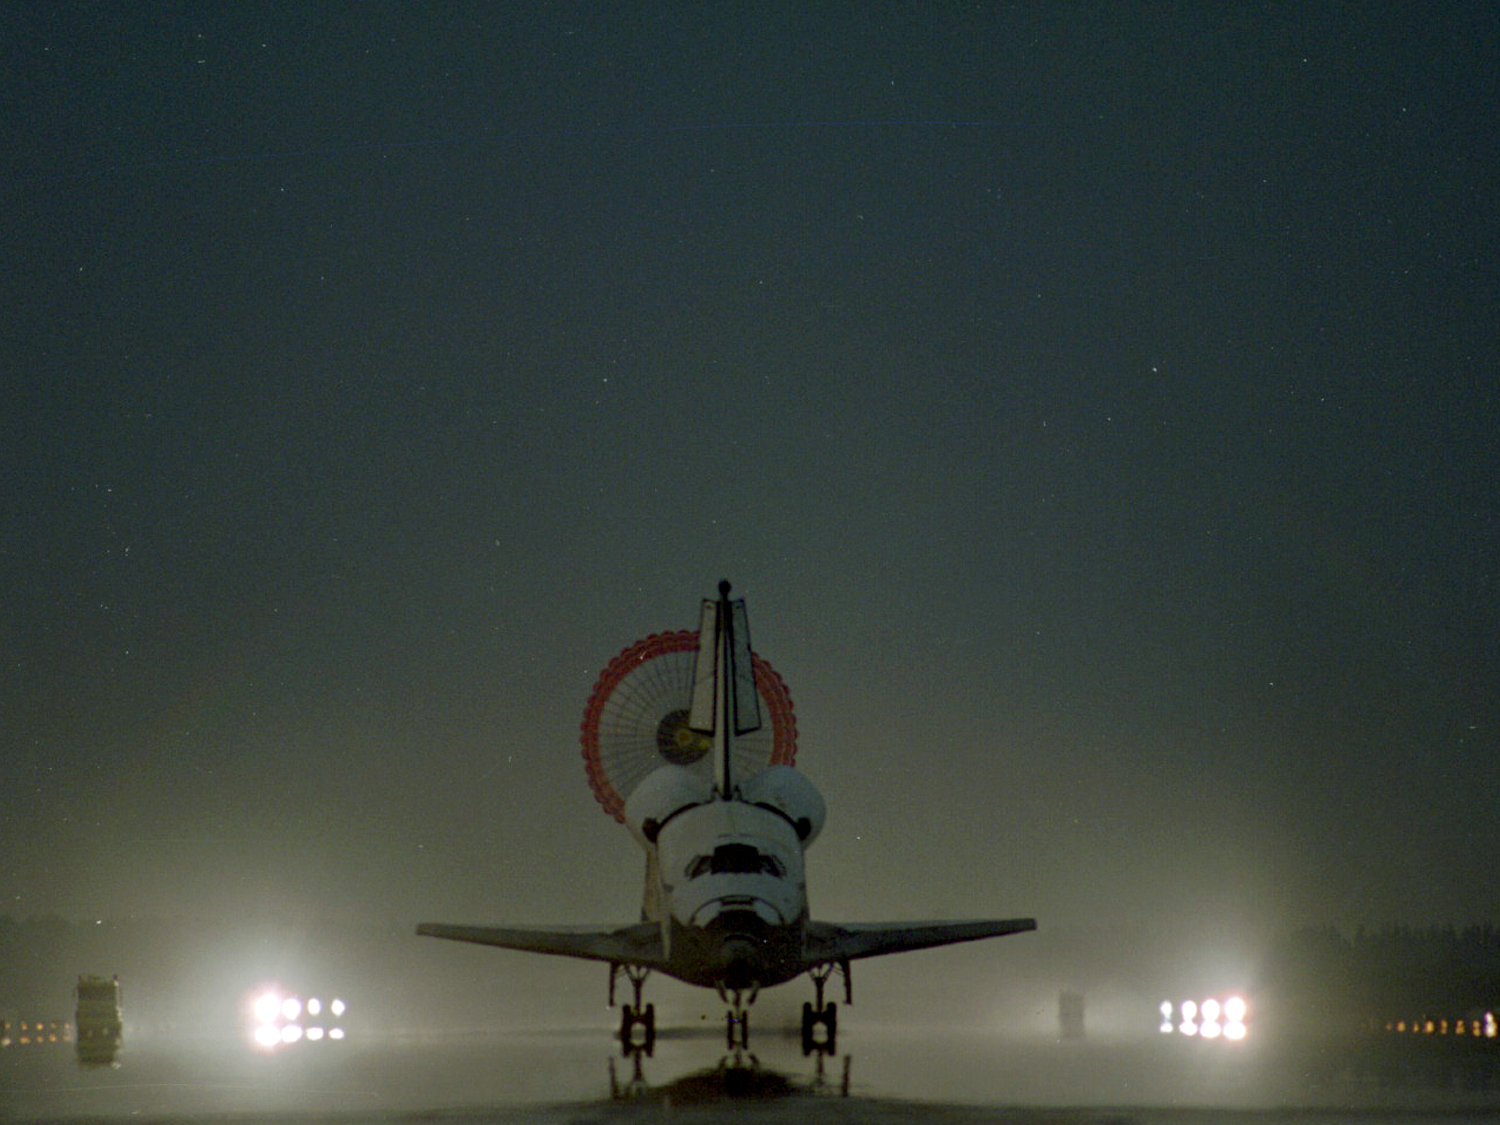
637 720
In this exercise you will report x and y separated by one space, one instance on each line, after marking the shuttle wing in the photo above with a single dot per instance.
639 944
832 941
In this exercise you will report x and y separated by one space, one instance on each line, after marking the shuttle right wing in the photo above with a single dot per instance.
830 941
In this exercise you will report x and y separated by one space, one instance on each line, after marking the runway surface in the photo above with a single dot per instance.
876 1075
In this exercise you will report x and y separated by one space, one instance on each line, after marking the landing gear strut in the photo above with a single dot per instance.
632 1015
822 1015
737 1019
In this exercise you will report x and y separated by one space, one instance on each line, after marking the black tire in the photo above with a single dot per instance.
627 1023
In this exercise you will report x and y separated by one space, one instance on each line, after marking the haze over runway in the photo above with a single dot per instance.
1096 403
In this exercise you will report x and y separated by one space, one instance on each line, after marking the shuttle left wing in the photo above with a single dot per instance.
639 944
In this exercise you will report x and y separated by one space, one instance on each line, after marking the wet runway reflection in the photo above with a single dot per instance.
738 1076
875 1075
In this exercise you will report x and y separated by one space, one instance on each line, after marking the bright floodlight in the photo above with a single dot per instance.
291 1033
291 1007
337 1007
1166 1009
314 1034
1210 1010
267 1007
1234 1029
267 1035
1211 1029
1189 1010
336 1033
314 1006
1234 1009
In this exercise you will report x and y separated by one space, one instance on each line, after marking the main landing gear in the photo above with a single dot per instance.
633 1017
825 1016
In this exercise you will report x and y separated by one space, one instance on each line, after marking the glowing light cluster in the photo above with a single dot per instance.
279 1020
1482 1027
30 1033
1208 1019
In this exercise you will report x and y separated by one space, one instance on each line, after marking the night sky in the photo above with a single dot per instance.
1096 403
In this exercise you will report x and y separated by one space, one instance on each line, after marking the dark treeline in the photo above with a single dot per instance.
192 972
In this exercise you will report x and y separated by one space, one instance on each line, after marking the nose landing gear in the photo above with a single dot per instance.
737 1019
737 1028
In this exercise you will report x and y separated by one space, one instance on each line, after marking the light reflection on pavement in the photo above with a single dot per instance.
875 1075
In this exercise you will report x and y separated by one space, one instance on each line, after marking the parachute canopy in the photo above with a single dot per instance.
637 717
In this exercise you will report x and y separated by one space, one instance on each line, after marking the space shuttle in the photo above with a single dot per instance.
689 739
